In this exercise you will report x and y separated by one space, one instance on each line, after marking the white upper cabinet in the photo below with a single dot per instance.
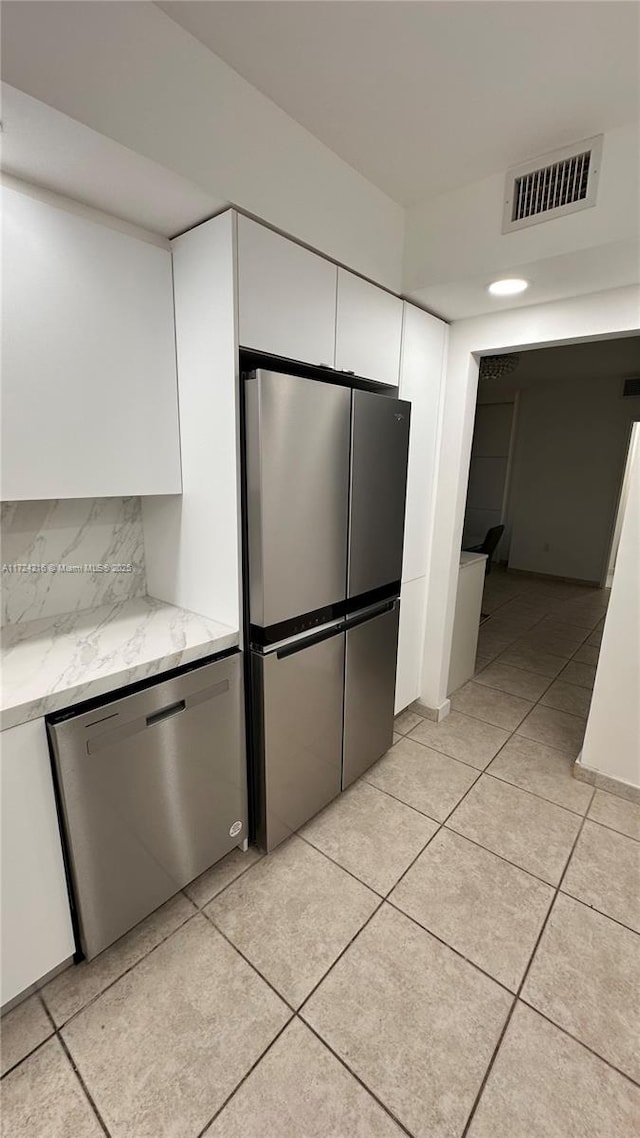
89 393
368 331
286 297
421 378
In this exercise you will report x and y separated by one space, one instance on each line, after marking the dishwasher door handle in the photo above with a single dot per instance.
165 713
134 726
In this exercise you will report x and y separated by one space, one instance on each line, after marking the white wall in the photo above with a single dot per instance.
612 741
582 318
130 72
569 458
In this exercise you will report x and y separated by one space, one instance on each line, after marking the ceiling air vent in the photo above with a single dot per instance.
551 186
631 388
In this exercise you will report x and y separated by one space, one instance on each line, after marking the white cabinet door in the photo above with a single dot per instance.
410 642
286 297
89 394
421 374
36 921
368 330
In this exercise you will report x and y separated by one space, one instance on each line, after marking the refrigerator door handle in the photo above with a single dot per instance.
369 614
309 641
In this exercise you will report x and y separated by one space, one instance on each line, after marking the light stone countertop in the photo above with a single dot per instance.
471 558
56 661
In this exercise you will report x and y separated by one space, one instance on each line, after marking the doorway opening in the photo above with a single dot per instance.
554 434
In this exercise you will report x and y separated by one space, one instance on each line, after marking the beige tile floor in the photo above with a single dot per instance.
450 949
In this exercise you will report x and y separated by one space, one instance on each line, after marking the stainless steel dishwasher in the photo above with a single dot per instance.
152 790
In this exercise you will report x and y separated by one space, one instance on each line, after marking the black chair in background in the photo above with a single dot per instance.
489 545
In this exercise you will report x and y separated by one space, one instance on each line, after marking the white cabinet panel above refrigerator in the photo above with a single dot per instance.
368 330
286 297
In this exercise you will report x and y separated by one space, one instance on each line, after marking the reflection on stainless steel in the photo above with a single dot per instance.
150 787
302 734
380 440
369 690
297 494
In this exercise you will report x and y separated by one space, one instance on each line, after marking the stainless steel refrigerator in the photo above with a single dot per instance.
325 470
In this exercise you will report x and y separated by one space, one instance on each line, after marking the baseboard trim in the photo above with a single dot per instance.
606 782
553 577
436 714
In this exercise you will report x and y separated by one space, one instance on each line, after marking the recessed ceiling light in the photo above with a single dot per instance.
508 287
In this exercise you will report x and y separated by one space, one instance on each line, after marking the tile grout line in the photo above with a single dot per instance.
600 912
557 888
494 687
254 967
605 826
84 1086
506 860
350 872
383 899
465 762
224 888
126 971
244 1078
440 826
58 1028
395 798
533 793
429 747
534 950
74 1067
513 732
365 1087
295 1014
456 951
42 1042
525 1003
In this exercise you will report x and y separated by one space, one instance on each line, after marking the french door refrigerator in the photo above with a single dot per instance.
325 471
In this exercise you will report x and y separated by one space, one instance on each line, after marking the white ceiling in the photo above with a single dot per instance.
119 106
593 269
423 97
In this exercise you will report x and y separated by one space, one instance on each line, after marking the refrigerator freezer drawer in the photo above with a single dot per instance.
299 746
370 679
297 490
380 445
153 792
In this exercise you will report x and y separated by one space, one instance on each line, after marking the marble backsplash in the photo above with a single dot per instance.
62 542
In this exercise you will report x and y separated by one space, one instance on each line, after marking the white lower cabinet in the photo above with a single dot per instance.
410 642
36 919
